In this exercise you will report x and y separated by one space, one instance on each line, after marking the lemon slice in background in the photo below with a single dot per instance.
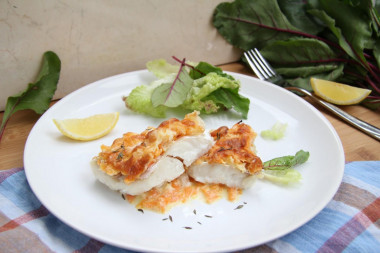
338 93
89 128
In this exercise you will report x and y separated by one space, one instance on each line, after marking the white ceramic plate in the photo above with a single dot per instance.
59 172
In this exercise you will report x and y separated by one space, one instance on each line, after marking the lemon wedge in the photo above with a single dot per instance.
87 129
338 93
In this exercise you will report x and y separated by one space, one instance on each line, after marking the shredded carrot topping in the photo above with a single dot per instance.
162 199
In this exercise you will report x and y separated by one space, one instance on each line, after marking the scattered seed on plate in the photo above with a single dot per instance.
164 219
122 195
199 223
239 207
208 216
170 218
195 212
188 227
140 210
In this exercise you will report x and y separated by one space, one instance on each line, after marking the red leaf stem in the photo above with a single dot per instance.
374 67
299 33
373 85
183 63
332 60
188 65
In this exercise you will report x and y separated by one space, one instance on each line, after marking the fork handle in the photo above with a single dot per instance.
359 124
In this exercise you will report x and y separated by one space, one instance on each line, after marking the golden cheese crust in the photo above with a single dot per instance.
133 154
234 147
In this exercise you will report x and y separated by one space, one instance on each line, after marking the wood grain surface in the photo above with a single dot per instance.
357 145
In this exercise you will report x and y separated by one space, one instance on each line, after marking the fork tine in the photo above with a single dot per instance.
260 65
266 66
252 62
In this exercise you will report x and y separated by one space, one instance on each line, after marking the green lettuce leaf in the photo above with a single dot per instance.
230 99
203 68
161 68
201 96
139 100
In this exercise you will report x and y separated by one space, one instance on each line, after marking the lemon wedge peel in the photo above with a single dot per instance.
338 93
87 129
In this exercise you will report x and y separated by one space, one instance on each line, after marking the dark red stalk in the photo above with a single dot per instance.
183 63
188 65
365 65
299 33
375 101
374 97
332 60
372 84
374 67
368 56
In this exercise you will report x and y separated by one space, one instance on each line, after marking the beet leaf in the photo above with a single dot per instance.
173 94
37 96
337 40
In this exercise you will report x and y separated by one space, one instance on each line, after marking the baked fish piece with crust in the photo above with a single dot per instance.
136 163
231 160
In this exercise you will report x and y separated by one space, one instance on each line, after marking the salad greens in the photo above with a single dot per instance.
337 40
37 96
280 169
202 87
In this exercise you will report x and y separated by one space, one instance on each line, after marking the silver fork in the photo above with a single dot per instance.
265 72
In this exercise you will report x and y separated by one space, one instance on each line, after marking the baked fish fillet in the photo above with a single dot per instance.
231 160
136 163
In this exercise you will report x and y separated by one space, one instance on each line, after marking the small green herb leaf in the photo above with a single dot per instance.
286 162
280 169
